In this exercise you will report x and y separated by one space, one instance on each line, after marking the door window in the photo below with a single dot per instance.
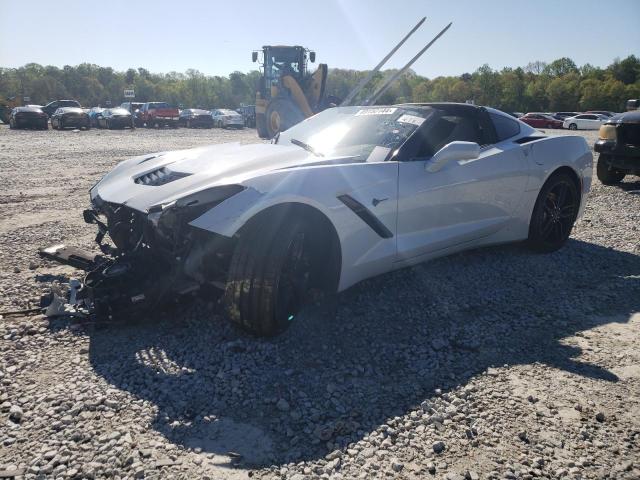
444 129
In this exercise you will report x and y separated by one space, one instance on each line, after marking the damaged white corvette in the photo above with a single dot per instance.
350 193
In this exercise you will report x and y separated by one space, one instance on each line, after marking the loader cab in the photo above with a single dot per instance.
278 61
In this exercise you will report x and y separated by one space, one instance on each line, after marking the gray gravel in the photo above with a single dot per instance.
496 363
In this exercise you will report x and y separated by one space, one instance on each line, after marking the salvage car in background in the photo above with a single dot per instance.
134 110
68 117
541 120
619 147
194 118
28 117
115 118
51 107
93 115
248 113
223 118
159 114
584 121
350 193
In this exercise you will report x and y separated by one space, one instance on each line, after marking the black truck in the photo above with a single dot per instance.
619 148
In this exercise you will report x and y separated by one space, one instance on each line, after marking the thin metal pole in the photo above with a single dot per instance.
375 70
372 99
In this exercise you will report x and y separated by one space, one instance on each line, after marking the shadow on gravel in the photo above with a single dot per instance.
374 352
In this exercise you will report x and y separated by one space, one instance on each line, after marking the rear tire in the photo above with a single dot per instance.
272 267
606 174
554 213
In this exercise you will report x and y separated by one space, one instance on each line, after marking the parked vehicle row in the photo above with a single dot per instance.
65 113
591 120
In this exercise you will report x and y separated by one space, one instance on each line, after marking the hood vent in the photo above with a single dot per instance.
159 177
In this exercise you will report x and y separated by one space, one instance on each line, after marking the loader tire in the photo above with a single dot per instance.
261 125
281 115
272 268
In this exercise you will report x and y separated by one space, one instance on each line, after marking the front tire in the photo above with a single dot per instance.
273 266
282 114
606 174
573 126
554 213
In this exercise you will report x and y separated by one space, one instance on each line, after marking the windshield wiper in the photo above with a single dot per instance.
308 148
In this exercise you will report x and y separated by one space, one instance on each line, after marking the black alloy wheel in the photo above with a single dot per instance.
554 214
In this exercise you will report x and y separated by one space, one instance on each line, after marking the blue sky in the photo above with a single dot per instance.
217 37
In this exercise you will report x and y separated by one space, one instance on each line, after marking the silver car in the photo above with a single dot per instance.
223 118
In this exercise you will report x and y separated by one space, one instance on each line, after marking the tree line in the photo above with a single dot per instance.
557 86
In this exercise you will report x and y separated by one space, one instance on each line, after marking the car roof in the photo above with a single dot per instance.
29 108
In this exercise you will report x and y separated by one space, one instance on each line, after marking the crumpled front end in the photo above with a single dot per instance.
150 257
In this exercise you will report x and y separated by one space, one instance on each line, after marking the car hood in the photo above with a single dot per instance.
192 170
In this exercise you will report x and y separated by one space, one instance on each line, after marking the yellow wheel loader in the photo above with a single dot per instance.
287 93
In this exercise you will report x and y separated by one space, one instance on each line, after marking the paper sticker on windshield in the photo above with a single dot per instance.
376 111
412 119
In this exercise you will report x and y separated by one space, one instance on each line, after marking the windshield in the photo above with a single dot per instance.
368 132
282 60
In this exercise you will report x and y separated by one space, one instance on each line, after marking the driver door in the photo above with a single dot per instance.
465 200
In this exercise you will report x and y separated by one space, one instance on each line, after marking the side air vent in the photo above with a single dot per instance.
524 140
158 177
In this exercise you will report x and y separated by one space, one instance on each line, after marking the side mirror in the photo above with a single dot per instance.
312 57
453 151
254 56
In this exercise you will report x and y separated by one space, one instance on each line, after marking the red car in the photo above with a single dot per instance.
540 120
159 114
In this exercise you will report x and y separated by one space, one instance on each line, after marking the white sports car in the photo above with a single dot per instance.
349 193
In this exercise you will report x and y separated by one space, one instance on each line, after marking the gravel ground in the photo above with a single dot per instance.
496 363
